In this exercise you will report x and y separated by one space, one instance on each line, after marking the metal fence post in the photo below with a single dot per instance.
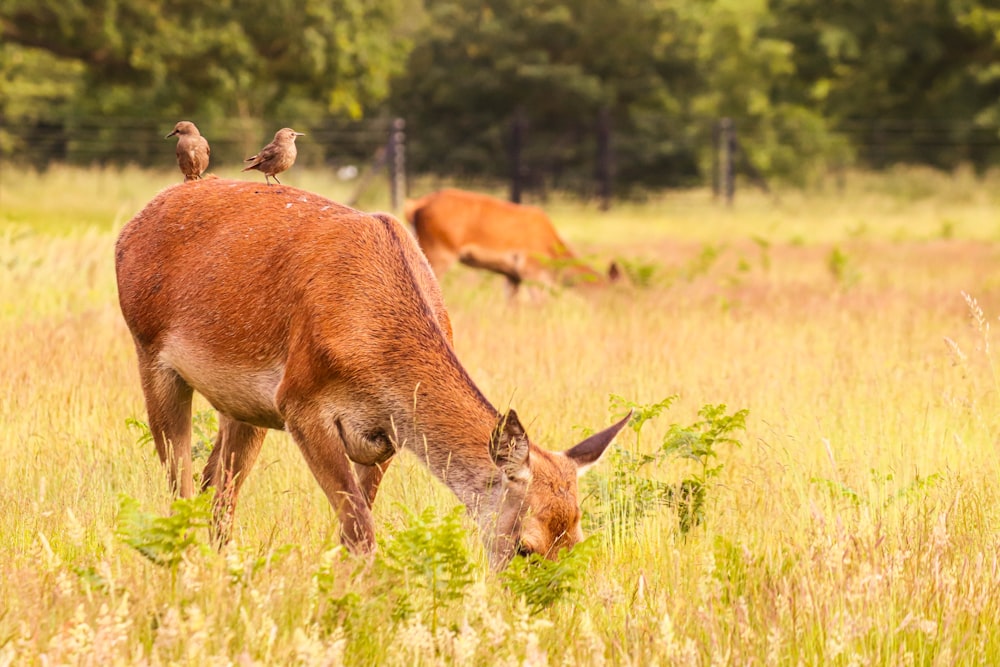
716 170
517 127
726 145
604 168
397 163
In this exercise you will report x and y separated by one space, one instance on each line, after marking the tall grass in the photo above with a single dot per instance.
857 524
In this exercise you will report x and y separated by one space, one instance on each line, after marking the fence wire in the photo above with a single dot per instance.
576 160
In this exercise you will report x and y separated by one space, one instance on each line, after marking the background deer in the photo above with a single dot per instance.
289 311
518 242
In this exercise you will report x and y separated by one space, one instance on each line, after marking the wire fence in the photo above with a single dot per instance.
592 161
142 141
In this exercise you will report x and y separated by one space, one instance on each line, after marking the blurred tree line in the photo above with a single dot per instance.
811 84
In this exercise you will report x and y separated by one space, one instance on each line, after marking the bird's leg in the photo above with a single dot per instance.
276 179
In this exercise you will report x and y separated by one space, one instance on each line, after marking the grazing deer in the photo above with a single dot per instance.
289 311
483 232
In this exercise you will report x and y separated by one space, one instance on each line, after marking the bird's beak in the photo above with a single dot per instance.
171 134
300 134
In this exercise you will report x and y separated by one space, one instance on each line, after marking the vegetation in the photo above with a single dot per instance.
854 522
243 58
814 85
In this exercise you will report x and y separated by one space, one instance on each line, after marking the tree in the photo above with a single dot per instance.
476 65
665 70
37 87
808 82
250 59
243 56
912 80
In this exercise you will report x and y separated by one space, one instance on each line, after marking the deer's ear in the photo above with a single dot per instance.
589 452
509 447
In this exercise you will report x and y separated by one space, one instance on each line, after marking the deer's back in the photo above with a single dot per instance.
456 218
223 280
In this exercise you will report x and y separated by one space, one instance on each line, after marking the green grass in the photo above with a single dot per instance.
856 524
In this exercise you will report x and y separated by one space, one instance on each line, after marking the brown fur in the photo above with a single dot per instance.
516 241
287 310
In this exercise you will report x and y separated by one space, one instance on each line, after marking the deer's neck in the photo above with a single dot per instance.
453 441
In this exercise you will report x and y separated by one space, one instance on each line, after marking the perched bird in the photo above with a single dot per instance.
277 156
192 150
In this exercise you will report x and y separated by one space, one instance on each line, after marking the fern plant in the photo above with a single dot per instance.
166 539
698 443
542 582
630 491
429 555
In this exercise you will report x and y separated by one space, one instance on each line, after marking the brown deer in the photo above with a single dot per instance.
483 232
289 311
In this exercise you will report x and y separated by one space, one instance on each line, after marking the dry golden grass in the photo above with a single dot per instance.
858 524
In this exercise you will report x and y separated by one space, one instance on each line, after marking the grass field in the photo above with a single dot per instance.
856 520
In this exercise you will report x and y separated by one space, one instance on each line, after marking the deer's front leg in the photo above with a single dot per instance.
325 453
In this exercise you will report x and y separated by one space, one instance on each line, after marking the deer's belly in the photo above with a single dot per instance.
240 388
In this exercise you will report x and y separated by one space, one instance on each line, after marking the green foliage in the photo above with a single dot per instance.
625 495
629 492
842 267
700 265
542 582
153 59
92 580
144 435
429 556
339 603
897 60
619 405
570 270
244 565
732 567
886 497
205 425
640 273
698 441
947 229
166 539
811 85
765 252
555 65
37 85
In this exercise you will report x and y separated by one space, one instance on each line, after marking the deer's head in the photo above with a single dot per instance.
539 510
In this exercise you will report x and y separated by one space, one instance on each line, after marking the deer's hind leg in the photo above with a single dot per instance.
168 405
236 448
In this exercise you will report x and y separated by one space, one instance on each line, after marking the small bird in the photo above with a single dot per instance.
277 156
192 150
